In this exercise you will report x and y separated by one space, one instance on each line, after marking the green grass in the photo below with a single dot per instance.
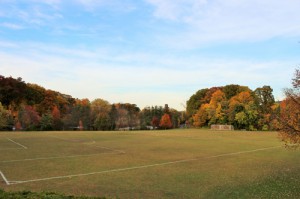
271 173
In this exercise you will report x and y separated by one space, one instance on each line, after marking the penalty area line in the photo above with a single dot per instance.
4 178
116 150
17 143
138 167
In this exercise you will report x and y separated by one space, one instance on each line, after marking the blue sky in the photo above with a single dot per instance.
149 52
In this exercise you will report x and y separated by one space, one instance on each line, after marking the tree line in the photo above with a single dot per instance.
26 106
251 110
234 105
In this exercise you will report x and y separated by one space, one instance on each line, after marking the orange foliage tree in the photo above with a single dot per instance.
290 114
165 121
57 123
201 117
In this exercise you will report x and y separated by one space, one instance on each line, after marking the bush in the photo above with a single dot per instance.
265 128
42 195
252 128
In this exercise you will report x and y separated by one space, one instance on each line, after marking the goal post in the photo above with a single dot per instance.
222 127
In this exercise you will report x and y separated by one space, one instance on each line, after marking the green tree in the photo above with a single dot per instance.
264 99
113 115
12 91
242 111
233 89
195 101
150 116
46 122
80 111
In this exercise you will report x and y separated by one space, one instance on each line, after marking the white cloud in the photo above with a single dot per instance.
117 5
103 73
175 9
12 26
227 21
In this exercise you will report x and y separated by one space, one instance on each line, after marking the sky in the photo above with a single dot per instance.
149 52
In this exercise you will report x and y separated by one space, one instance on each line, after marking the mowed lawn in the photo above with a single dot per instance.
150 164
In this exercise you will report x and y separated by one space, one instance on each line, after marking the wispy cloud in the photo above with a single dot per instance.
12 26
130 51
176 10
106 74
227 21
116 5
33 14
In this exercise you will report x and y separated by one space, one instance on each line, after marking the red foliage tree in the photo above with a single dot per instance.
57 123
29 118
165 121
18 126
55 113
155 122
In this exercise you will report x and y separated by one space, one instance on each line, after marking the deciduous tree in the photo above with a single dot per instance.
29 118
100 110
165 122
3 117
57 122
155 122
201 117
290 113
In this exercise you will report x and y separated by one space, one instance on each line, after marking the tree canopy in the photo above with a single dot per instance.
290 113
27 106
233 105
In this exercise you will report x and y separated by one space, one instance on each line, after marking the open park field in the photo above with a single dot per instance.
150 164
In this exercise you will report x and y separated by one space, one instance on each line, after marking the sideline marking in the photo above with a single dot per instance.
17 143
139 167
4 178
56 157
10 149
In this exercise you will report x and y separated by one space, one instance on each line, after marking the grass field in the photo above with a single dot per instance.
150 164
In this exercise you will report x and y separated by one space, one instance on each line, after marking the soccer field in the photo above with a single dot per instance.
150 164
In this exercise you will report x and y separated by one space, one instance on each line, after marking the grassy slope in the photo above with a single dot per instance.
262 174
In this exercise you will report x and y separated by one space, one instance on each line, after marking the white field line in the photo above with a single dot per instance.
119 151
56 157
68 140
10 149
17 143
4 178
139 167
